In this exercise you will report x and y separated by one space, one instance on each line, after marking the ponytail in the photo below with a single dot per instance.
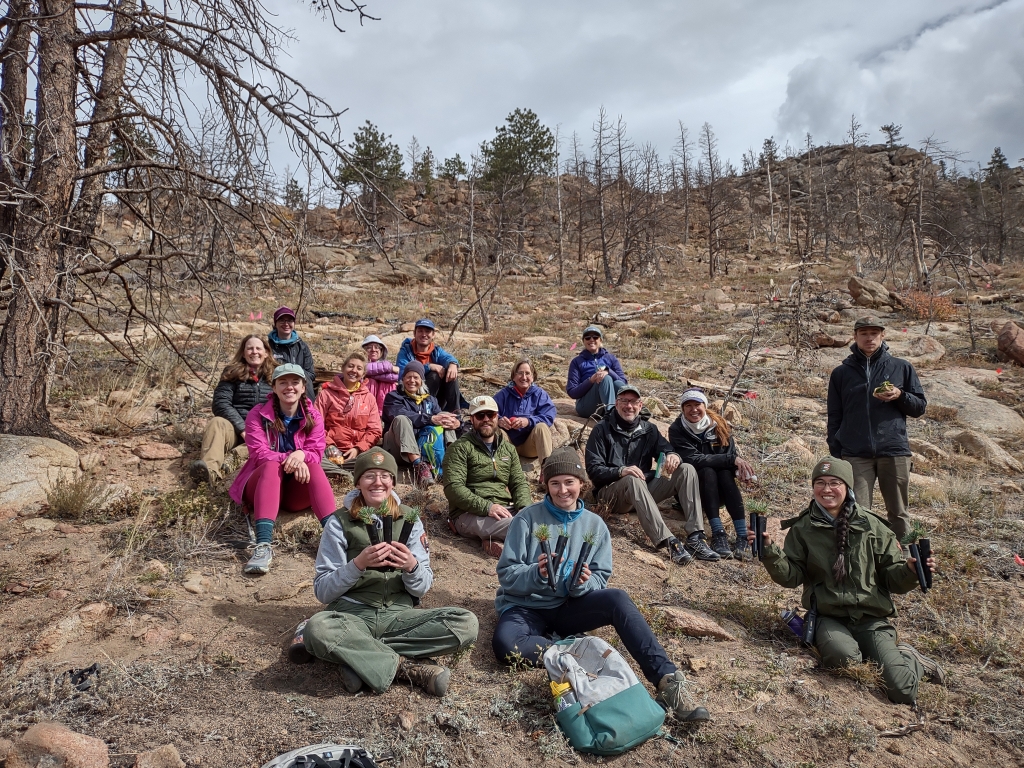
842 530
721 428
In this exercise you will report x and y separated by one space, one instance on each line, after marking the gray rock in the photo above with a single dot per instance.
28 467
949 389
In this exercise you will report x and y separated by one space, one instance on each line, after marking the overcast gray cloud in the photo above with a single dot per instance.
449 71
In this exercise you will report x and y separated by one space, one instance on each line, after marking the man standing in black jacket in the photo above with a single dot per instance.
870 397
621 454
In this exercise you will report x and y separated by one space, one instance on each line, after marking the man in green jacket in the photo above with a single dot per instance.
483 479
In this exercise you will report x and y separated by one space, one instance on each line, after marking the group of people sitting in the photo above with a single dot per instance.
371 572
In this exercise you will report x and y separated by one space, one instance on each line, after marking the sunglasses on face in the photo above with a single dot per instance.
485 415
591 338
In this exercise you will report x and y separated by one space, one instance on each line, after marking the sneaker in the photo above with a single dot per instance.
432 678
297 653
492 547
698 547
424 477
677 552
350 681
741 551
260 560
932 671
199 473
720 544
673 696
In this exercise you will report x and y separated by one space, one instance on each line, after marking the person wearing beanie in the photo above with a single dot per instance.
483 479
595 375
286 346
415 428
703 440
633 467
870 397
441 374
530 612
849 564
371 626
381 373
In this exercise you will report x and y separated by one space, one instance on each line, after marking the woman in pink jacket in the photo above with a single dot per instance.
351 419
285 438
381 375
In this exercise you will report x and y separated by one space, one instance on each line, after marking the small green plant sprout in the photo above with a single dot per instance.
366 515
408 521
917 531
590 538
542 533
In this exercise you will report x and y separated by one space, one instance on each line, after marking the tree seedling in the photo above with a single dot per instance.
543 535
366 515
407 523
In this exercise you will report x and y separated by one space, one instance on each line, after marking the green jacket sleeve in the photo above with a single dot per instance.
893 570
456 472
518 485
786 566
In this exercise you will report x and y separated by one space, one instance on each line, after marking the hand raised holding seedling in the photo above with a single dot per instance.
887 392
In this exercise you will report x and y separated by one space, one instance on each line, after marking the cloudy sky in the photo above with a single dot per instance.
449 71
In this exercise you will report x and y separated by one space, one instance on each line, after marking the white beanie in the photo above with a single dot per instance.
694 394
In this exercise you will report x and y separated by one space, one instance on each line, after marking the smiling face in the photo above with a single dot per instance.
592 343
422 336
374 351
353 370
289 388
694 411
628 406
284 325
564 490
411 382
830 492
485 423
869 340
523 377
375 485
254 352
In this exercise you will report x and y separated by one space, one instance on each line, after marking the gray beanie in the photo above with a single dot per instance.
563 461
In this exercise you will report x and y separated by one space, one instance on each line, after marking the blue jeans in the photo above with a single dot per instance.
599 394
525 631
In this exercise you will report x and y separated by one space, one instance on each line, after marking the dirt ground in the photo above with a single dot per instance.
190 650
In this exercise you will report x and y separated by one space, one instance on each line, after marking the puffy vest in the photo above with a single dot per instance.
377 588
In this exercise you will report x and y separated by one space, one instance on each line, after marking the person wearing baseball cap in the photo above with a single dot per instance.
286 346
870 397
370 625
849 564
483 479
595 374
442 367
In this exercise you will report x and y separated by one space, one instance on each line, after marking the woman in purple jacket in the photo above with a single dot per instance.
381 373
526 413
595 375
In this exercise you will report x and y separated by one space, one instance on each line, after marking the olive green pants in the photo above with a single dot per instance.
842 643
219 439
371 640
893 476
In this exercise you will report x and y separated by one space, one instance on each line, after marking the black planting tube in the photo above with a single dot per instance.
403 535
577 569
924 546
557 557
545 547
753 527
762 526
371 528
389 522
918 566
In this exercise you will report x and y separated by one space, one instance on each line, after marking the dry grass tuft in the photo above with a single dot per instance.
76 496
867 674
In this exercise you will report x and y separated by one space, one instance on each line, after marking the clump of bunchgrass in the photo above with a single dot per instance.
74 496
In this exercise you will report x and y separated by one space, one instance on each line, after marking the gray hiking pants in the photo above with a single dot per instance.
629 493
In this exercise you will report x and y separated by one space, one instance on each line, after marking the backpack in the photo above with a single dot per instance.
613 711
324 756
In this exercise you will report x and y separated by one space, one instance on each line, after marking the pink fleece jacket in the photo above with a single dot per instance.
381 379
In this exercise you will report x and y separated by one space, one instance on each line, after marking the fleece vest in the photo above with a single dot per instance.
376 588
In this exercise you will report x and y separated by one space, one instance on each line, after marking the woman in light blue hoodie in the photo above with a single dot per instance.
531 613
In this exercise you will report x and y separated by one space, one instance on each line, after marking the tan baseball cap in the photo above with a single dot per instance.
482 403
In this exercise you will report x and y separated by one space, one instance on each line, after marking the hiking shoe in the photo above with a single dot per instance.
720 544
677 552
673 696
199 473
297 653
492 547
423 476
432 678
741 551
260 560
698 547
932 671
350 681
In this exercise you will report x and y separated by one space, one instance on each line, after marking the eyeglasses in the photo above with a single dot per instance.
628 403
376 477
591 338
832 486
485 415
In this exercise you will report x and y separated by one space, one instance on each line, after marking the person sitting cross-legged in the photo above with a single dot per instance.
530 613
621 453
526 412
483 479
371 626
351 420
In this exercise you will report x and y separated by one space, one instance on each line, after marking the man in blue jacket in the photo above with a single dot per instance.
595 375
870 397
442 367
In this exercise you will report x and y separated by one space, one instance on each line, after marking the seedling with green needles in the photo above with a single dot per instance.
543 535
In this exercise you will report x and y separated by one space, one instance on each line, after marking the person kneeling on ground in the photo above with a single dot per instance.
483 479
415 427
621 453
371 626
703 440
285 437
849 564
244 384
530 612
351 420
526 413
441 374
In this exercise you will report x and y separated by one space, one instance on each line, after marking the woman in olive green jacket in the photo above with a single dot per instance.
850 564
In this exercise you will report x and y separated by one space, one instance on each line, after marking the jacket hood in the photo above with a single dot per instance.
266 408
339 386
371 339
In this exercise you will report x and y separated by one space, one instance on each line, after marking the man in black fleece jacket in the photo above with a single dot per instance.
621 453
870 397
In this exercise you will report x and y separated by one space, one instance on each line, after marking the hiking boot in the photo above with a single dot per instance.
697 546
199 473
350 681
492 547
673 696
720 543
741 551
932 671
424 478
432 678
260 560
297 653
677 552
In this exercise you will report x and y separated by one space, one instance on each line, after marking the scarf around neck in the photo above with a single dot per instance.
423 357
417 397
292 338
700 427
563 516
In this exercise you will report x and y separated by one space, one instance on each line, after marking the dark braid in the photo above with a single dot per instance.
842 529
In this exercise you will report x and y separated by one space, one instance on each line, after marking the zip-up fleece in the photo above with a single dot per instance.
701 450
381 379
350 418
262 441
535 406
610 448
583 366
474 478
859 424
875 566
439 356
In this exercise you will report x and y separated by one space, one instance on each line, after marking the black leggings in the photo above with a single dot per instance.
718 487
447 392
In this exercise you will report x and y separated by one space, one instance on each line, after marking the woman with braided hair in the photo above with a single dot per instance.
850 564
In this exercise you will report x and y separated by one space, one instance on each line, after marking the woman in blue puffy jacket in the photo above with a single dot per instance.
526 412
595 375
